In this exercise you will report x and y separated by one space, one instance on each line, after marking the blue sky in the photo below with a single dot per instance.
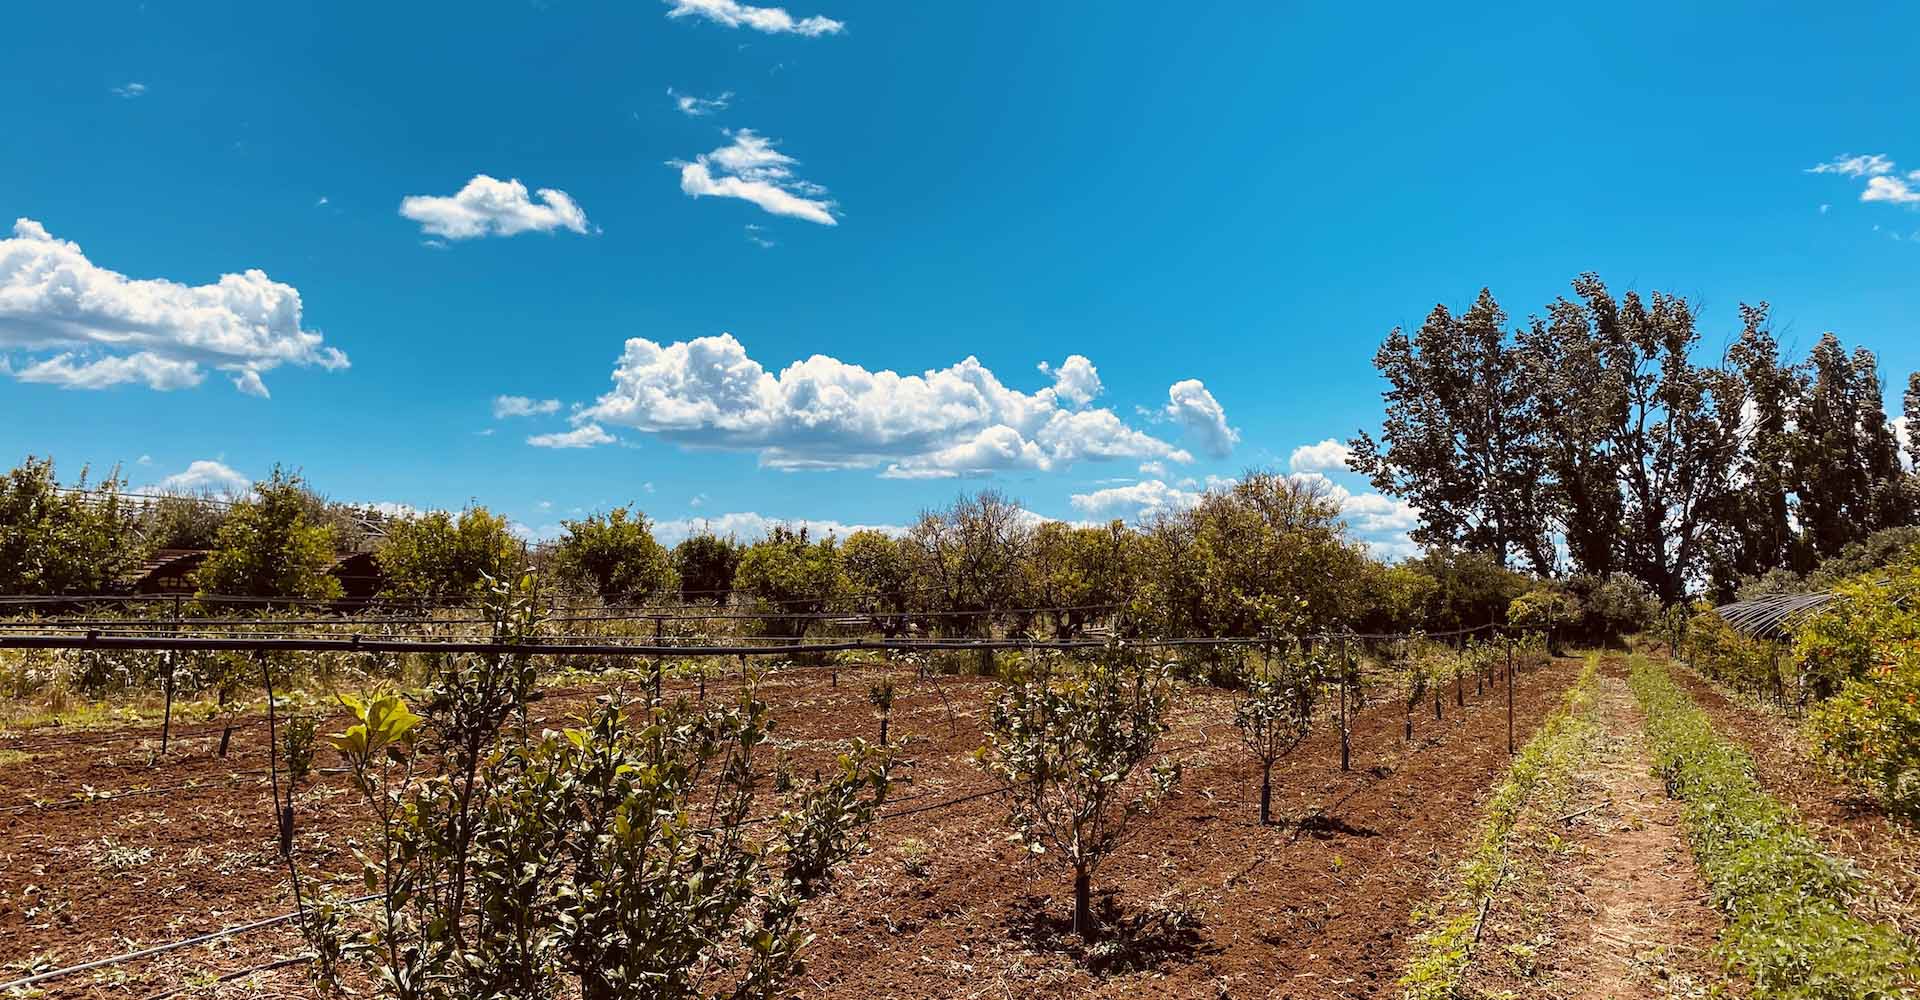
1201 218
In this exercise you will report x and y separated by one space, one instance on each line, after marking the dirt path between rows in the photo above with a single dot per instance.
1616 908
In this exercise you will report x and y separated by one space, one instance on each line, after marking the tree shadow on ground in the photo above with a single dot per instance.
1153 937
1320 826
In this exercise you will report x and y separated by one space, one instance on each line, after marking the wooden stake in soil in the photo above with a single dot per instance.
1346 735
166 719
1509 696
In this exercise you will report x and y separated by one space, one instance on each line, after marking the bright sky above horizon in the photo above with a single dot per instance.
841 260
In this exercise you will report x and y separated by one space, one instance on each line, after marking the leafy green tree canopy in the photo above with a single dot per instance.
273 544
614 555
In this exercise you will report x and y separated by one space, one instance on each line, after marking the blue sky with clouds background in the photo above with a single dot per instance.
1201 218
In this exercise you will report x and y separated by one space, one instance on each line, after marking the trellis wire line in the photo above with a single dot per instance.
641 615
161 949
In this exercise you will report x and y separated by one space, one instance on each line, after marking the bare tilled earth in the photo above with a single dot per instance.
1614 907
1203 902
1848 821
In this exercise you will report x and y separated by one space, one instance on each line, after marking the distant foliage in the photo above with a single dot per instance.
437 556
786 573
615 557
273 544
1601 425
54 542
705 564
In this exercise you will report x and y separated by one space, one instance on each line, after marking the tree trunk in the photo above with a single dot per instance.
1266 795
1083 905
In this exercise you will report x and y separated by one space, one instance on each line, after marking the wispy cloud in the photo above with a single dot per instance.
759 238
699 107
487 206
585 436
1883 183
771 20
522 406
1850 165
129 91
750 169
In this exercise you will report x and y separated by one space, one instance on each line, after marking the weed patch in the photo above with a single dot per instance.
1789 927
1546 762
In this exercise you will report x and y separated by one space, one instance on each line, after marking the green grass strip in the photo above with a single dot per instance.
1441 955
1789 929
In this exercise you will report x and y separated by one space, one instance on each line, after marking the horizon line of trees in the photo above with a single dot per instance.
1595 439
1269 553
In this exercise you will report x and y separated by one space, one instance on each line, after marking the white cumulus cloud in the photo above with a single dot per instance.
823 413
522 406
1327 456
206 476
771 20
83 326
1139 500
1890 189
750 169
584 436
491 207
1190 405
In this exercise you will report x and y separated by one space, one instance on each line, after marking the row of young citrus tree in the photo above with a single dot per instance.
646 848
1268 553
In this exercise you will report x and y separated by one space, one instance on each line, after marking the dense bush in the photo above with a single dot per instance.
705 563
275 543
437 556
62 542
787 574
1872 616
610 857
614 556
1789 926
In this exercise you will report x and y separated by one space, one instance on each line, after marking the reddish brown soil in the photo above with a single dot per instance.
1202 902
1606 903
1850 822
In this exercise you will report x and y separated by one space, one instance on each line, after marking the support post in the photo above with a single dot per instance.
1346 736
1509 696
659 662
166 719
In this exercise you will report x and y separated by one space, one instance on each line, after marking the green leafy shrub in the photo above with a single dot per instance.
273 544
1789 925
1869 732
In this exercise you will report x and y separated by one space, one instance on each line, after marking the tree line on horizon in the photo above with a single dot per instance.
1268 553
1604 437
